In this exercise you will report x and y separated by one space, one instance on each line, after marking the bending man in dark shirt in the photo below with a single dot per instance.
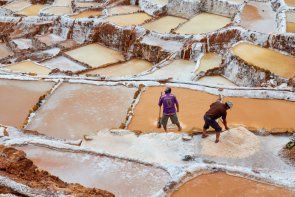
169 101
216 111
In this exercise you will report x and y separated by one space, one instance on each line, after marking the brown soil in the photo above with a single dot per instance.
14 109
289 154
221 184
255 113
290 2
15 165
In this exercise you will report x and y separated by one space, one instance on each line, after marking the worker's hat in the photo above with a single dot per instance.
229 104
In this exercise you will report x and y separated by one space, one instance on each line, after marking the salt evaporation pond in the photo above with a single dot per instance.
58 10
123 9
16 6
121 177
268 59
222 184
75 110
209 61
203 23
164 24
29 67
63 63
259 16
17 98
129 19
62 2
216 80
129 68
87 13
180 70
50 39
95 55
5 51
159 2
32 10
290 21
192 111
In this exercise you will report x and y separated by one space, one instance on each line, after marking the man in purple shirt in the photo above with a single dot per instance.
169 101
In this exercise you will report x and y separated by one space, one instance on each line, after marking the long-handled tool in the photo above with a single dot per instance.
159 118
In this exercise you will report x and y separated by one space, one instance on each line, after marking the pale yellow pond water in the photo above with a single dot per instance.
203 23
96 55
32 10
129 19
86 14
131 67
216 80
56 10
290 21
271 60
164 24
17 5
209 61
4 51
29 67
62 2
123 9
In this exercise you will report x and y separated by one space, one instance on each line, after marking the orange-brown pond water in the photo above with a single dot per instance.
222 184
290 2
123 178
17 98
256 113
271 60
259 16
87 13
75 110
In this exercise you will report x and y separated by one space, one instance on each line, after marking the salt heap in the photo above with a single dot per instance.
234 143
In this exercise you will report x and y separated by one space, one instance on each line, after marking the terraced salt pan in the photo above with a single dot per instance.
75 110
209 61
167 45
164 24
63 63
129 19
62 2
33 10
87 4
123 9
180 70
96 55
16 6
290 2
203 23
271 60
5 51
259 16
17 98
129 68
290 21
58 10
87 13
159 2
29 67
50 39
254 113
123 178
222 184
216 80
